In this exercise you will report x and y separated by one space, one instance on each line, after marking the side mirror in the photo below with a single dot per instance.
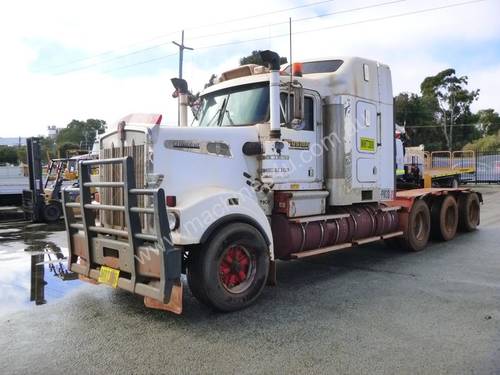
298 104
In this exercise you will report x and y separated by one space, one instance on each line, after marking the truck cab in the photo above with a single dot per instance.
281 162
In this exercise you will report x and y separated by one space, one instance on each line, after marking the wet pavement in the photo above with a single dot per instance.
32 265
368 310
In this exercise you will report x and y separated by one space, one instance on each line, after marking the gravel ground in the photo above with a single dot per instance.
371 310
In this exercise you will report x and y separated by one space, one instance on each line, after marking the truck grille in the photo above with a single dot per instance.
113 172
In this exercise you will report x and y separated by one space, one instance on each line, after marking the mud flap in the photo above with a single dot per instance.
175 303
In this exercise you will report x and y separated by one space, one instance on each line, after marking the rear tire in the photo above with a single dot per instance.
230 272
444 218
419 223
468 212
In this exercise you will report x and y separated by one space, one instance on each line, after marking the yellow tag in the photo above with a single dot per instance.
109 276
367 144
294 186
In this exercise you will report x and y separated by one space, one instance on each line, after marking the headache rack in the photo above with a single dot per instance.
149 264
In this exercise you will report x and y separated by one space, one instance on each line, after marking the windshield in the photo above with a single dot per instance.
235 106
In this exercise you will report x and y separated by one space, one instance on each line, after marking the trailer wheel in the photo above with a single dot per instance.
52 212
230 272
419 225
444 218
468 212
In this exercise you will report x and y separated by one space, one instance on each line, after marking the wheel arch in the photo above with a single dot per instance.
233 218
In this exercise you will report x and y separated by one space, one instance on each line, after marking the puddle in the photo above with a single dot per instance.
33 267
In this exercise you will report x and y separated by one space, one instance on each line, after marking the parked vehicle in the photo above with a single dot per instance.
283 163
42 201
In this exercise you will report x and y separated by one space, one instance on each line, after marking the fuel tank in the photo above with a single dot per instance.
361 221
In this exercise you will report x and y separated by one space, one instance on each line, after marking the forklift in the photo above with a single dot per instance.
42 202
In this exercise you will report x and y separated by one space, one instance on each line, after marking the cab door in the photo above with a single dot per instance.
305 154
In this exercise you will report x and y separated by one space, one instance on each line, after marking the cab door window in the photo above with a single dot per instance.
307 122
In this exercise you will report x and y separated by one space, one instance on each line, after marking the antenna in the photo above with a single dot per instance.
289 114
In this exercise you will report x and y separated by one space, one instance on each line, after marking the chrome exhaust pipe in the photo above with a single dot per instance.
272 59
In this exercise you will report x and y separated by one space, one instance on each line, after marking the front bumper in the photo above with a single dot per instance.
148 263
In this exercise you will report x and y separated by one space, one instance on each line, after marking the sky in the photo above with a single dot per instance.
65 60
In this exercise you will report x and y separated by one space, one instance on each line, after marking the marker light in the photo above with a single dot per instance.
297 69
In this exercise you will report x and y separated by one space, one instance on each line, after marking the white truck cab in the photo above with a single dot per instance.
280 162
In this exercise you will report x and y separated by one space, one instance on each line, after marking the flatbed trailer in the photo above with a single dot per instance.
435 169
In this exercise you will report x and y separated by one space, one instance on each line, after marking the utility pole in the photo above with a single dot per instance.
182 47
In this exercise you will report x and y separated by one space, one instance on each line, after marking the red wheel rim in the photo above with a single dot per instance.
236 269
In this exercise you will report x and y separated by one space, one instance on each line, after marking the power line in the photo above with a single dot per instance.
101 54
229 32
140 63
347 24
99 63
376 19
191 28
300 19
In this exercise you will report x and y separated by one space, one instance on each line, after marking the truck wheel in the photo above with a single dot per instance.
230 272
52 212
468 212
444 218
419 225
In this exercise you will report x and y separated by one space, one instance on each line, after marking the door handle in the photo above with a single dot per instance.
379 129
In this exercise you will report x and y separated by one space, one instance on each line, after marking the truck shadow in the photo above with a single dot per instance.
301 285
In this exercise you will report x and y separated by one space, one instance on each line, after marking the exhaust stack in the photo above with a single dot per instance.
272 59
182 93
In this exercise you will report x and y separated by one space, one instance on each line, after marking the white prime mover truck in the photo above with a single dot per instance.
281 163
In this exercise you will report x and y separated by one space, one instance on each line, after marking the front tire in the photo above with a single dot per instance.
230 272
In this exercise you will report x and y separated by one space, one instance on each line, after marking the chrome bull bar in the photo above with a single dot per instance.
149 264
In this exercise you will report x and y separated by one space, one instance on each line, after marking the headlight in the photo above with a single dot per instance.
173 220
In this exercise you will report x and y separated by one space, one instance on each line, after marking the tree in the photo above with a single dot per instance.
489 121
8 155
254 58
450 101
487 143
81 133
66 147
415 113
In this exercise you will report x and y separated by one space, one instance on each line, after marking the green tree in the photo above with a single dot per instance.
8 155
489 121
254 58
487 143
415 113
81 133
66 147
450 101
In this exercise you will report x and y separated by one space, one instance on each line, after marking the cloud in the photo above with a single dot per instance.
488 80
55 32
